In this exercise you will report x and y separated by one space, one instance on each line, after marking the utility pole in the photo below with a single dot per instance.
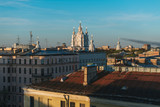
31 38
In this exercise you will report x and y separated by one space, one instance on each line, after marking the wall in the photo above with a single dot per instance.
98 58
41 98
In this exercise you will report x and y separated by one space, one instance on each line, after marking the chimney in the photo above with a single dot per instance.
90 72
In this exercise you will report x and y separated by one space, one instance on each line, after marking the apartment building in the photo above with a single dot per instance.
18 69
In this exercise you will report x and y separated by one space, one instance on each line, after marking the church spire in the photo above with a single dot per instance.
91 46
73 30
86 31
80 27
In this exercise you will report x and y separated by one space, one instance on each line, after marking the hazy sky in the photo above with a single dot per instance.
107 20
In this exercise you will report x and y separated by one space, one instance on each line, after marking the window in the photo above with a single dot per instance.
9 89
19 70
47 61
35 61
42 72
24 61
20 99
24 70
8 61
66 68
20 89
15 89
63 69
19 61
9 79
30 70
42 61
70 67
3 61
52 70
30 61
62 103
14 61
4 88
47 70
3 69
35 71
19 79
56 69
30 80
24 80
31 101
15 70
82 105
49 102
72 104
8 70
4 79
9 97
75 67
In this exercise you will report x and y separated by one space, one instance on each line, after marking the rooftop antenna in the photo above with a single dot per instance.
46 43
31 38
18 39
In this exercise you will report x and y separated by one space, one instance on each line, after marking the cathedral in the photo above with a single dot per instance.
80 40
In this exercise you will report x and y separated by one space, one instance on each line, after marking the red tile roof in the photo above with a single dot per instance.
138 84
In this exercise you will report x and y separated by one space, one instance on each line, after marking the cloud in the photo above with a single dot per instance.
5 21
134 17
24 3
14 3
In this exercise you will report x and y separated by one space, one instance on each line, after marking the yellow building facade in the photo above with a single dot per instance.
53 99
39 98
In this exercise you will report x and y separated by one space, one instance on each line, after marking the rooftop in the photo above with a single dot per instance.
38 53
133 86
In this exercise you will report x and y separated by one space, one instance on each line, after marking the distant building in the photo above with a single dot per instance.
129 48
62 47
98 58
91 87
118 47
146 47
104 47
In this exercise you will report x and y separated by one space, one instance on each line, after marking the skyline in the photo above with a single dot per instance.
54 20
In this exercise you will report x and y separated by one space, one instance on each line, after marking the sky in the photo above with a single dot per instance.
53 20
